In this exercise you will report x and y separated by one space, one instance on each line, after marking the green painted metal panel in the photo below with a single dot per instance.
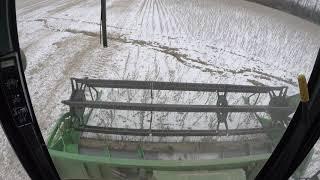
70 169
63 147
232 174
253 170
93 170
106 172
54 134
140 152
169 165
72 148
59 145
107 152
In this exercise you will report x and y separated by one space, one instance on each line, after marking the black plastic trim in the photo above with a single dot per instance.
17 116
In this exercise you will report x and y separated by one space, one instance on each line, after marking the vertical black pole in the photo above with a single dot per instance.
103 22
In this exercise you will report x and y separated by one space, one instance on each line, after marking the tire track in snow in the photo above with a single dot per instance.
141 7
145 18
162 12
153 17
172 19
165 16
159 17
23 10
97 67
184 58
169 13
68 69
143 15
148 16
141 12
125 15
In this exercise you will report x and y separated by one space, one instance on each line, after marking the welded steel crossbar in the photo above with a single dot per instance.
171 132
177 86
172 107
78 103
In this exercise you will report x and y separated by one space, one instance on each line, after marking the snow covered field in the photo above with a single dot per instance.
210 41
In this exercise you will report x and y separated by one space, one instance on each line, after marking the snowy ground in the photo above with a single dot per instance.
220 41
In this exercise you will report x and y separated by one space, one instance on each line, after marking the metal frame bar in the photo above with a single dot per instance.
172 132
177 86
221 108
171 107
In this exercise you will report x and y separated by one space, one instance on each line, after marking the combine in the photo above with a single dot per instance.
213 155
